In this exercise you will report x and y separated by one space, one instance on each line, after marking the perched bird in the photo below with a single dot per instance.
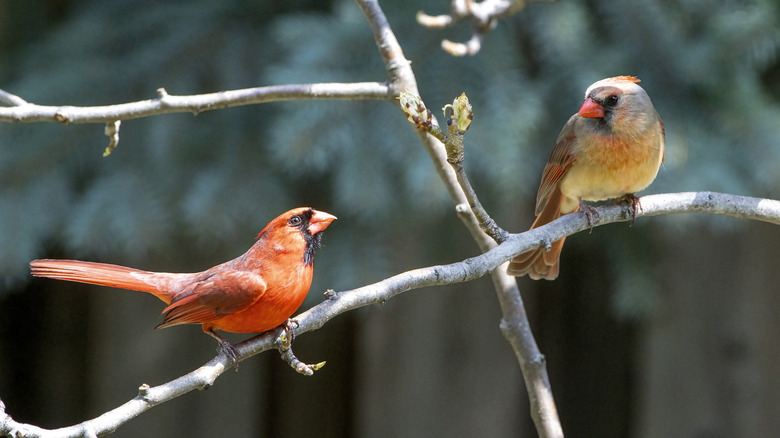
612 148
252 293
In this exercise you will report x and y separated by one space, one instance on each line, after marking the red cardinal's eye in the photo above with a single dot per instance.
611 100
295 221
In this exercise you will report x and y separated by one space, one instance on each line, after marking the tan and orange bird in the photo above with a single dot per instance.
612 148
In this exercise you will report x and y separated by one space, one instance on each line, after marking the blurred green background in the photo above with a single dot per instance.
666 328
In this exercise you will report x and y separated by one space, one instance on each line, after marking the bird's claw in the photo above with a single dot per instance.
633 202
225 347
589 211
287 337
229 351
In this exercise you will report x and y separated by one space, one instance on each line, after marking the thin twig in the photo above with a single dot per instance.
167 103
483 14
469 48
11 99
453 143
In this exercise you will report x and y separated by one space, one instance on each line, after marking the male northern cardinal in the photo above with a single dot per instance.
612 148
252 293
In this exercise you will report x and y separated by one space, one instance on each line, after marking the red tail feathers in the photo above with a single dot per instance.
102 274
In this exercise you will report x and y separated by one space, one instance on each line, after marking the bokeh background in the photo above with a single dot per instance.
667 328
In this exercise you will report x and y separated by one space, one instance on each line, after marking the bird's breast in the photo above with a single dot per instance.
285 292
609 167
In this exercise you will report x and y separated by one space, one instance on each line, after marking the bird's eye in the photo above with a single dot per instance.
611 100
295 220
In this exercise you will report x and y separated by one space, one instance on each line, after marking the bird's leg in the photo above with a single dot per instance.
288 335
633 201
225 347
589 212
284 345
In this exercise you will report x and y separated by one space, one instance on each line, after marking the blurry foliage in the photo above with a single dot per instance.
192 191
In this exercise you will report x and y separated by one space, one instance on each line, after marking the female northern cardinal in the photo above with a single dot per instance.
252 293
612 148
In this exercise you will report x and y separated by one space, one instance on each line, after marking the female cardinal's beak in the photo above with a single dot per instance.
319 221
591 109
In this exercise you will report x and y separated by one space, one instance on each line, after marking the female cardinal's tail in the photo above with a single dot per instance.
102 274
541 263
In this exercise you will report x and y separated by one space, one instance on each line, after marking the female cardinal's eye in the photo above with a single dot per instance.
295 221
611 100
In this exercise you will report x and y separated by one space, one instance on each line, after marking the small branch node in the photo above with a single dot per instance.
89 431
462 112
60 118
434 21
284 344
143 392
417 113
331 294
469 48
112 131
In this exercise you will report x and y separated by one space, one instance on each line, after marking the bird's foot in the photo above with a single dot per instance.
633 202
288 333
284 345
589 212
230 352
225 348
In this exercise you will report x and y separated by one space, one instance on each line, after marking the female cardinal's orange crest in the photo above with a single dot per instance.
633 79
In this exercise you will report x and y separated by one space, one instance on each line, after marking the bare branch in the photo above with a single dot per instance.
112 132
484 16
469 48
487 233
514 325
399 70
167 103
11 99
742 207
284 345
338 303
457 126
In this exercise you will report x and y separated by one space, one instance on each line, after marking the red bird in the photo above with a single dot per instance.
612 148
252 293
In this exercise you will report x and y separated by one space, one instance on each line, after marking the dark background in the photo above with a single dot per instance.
666 328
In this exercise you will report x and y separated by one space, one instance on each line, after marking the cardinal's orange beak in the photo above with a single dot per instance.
319 221
591 109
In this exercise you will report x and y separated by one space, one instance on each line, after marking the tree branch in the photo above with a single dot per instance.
11 99
337 303
167 103
483 14
514 324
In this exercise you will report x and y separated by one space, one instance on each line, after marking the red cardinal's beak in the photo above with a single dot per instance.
319 221
591 109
